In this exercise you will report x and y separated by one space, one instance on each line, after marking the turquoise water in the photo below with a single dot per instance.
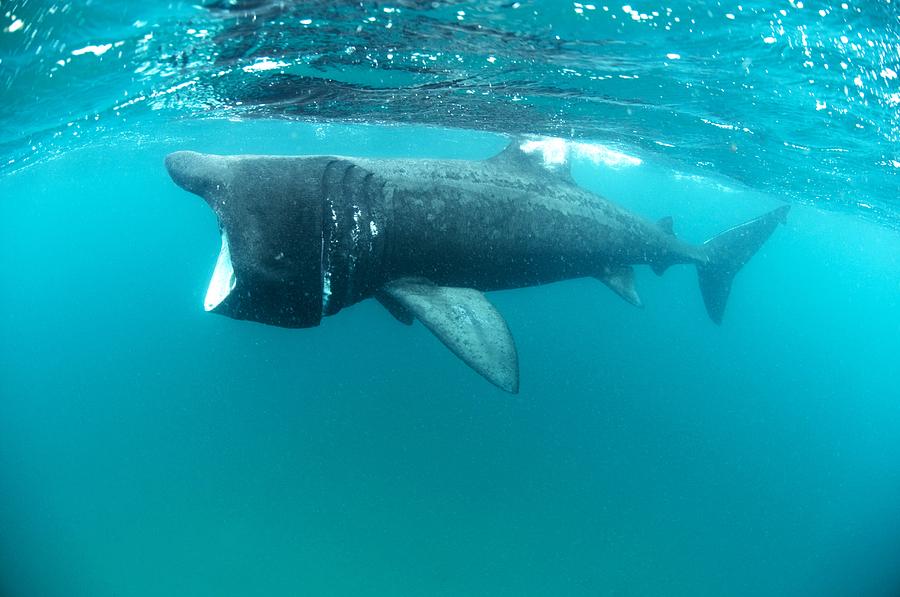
149 448
797 98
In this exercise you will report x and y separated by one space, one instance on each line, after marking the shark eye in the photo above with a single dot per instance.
223 280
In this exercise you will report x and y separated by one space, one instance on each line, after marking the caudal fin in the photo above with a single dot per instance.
726 254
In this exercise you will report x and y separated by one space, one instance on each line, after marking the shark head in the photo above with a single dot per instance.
269 211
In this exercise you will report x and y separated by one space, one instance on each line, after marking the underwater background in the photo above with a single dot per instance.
149 448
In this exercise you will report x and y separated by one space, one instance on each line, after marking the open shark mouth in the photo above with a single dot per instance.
298 265
223 280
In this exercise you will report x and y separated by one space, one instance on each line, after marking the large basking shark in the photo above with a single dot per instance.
303 237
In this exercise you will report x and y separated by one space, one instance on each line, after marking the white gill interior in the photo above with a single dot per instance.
223 280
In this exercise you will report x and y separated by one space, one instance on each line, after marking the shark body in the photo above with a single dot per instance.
305 236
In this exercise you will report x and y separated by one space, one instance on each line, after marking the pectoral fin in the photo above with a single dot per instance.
464 320
395 308
621 281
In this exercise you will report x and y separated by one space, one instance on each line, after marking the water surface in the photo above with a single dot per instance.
149 448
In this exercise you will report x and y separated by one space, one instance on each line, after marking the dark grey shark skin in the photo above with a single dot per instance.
310 235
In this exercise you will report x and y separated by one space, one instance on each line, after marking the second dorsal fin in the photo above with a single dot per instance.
536 156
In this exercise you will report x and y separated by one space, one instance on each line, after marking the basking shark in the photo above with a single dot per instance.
305 236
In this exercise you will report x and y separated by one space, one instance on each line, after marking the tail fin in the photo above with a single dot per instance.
726 254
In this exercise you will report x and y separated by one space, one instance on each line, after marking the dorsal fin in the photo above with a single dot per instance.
538 157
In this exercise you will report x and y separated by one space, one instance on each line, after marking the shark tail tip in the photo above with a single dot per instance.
727 252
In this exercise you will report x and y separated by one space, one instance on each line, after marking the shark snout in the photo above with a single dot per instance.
199 173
